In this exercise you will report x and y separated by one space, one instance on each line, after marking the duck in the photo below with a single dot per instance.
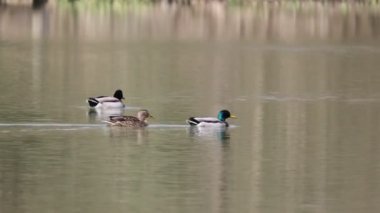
105 102
220 121
130 121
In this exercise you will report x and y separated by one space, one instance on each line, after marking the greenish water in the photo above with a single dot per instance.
306 94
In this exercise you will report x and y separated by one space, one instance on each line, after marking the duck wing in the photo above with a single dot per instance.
103 99
94 101
197 120
124 119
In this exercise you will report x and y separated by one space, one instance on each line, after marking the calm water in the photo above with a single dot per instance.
304 81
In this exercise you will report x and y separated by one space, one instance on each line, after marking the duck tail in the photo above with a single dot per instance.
192 121
92 102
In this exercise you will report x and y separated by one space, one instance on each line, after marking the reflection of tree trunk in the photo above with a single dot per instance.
38 3
374 22
269 27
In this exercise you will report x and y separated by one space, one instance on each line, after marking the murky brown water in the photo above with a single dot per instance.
303 79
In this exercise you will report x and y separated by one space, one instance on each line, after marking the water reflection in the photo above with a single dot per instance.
98 114
140 135
221 134
262 21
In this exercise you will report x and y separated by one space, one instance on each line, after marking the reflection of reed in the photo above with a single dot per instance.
308 152
261 21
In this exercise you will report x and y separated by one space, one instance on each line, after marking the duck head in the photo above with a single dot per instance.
224 114
118 94
144 114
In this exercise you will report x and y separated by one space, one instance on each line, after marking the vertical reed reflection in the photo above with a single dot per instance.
261 21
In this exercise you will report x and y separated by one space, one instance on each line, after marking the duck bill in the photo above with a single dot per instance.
233 116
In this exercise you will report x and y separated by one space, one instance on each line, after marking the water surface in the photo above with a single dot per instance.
302 79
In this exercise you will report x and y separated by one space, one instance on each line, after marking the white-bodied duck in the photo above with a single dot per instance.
220 121
105 102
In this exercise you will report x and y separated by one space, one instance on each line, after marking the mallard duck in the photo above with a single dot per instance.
130 121
107 101
220 121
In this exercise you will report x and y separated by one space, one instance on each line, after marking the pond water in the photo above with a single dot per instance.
303 80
